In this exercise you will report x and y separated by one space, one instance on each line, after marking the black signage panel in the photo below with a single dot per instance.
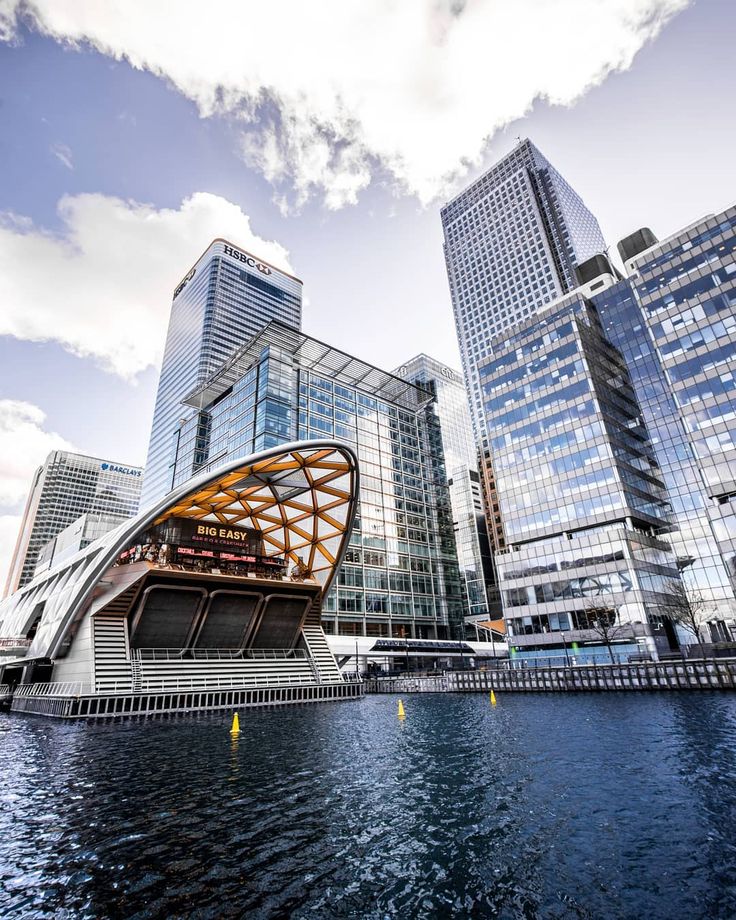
218 536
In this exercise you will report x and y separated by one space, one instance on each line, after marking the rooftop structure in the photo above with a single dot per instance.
310 354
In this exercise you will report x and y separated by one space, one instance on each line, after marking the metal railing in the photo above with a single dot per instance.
4 690
206 683
60 688
712 674
165 685
217 654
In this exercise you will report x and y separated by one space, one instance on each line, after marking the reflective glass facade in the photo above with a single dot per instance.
219 305
569 446
512 240
693 541
686 288
579 485
451 400
471 535
673 320
553 590
63 489
400 575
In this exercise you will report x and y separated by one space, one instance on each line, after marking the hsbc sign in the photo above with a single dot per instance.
246 259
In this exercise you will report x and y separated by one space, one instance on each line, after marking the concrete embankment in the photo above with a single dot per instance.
714 674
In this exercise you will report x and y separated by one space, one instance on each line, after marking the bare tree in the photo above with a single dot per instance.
604 621
688 608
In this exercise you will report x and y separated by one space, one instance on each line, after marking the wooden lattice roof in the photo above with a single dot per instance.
301 502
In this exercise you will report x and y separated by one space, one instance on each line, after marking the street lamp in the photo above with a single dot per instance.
564 642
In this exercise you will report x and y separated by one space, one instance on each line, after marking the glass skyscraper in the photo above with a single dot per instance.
682 290
512 240
400 575
461 461
582 498
673 322
224 299
66 487
519 240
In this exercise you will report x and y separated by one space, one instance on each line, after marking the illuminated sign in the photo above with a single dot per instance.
246 259
221 533
125 470
215 536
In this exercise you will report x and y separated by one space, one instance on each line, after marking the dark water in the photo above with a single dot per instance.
546 806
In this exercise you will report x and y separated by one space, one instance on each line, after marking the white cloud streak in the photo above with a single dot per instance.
102 288
330 92
63 154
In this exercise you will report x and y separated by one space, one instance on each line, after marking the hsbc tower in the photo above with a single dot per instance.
227 296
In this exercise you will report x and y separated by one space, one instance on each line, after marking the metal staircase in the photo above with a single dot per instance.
112 666
318 649
135 671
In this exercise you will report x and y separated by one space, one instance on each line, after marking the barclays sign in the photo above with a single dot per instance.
125 470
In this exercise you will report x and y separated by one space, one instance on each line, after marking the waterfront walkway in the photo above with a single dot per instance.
703 674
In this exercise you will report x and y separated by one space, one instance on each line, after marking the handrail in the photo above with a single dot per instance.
170 685
216 654
60 688
4 689
205 684
190 683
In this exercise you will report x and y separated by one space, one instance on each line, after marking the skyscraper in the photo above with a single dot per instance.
224 299
400 574
675 320
451 400
512 240
461 462
585 509
63 489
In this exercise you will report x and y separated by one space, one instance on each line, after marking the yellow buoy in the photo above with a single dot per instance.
493 698
402 714
235 730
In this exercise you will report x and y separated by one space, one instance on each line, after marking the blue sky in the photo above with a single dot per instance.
330 151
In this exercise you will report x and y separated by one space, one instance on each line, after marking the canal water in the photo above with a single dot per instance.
544 806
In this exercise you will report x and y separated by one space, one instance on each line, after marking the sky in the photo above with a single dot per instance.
323 138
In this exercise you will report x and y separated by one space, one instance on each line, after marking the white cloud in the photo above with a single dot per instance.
102 288
329 90
63 154
24 445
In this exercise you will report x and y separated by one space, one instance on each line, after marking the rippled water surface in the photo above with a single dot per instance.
542 807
